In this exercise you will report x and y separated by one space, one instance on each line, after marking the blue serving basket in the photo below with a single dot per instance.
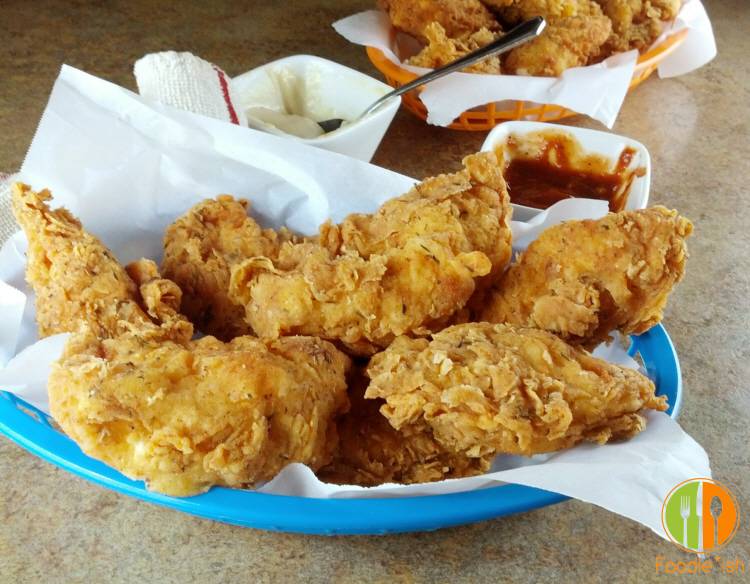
31 429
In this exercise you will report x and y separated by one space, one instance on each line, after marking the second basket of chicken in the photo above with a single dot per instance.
578 33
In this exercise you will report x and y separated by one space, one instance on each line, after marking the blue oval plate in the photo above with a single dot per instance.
31 429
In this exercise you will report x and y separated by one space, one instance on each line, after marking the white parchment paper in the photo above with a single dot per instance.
129 167
597 90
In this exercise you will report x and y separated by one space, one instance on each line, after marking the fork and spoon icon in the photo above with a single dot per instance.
685 512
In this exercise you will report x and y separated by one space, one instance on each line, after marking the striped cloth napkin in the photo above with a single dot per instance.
8 225
188 82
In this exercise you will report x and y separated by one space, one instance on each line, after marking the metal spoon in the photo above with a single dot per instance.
519 35
715 510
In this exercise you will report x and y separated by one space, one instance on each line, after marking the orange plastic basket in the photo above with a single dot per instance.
488 116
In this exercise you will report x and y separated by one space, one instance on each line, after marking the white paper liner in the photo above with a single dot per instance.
129 167
597 90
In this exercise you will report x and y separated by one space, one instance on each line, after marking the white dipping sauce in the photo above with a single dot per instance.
293 124
289 103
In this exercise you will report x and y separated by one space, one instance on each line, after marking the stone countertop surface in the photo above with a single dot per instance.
57 527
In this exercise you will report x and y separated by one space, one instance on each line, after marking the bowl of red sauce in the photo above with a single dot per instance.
546 163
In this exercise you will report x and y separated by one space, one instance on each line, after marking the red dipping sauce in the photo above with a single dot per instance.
561 170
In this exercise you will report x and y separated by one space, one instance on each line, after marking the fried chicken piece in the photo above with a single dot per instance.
512 12
160 298
417 259
636 24
584 279
662 9
198 250
564 43
456 17
78 280
372 452
185 417
482 389
442 50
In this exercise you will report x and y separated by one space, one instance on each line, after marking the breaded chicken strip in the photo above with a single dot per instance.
442 50
482 389
198 251
456 17
78 280
582 280
372 452
512 12
185 417
416 260
564 43
636 24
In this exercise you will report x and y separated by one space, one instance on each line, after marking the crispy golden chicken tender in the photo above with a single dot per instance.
185 417
78 281
481 389
198 251
636 24
416 260
513 12
582 280
575 31
564 43
371 452
442 50
456 17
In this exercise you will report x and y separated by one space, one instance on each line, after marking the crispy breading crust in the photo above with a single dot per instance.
564 43
187 417
513 12
585 279
481 389
417 259
372 452
198 250
442 50
456 17
636 24
78 281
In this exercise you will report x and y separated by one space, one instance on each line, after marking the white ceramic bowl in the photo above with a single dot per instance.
594 142
319 89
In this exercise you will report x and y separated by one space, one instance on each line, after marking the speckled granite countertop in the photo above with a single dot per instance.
56 527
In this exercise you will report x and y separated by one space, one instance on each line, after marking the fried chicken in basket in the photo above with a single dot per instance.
575 31
415 261
372 452
442 50
134 391
198 250
456 17
636 24
578 32
564 43
78 280
513 12
582 280
185 417
480 389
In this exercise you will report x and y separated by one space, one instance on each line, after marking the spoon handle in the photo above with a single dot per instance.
518 35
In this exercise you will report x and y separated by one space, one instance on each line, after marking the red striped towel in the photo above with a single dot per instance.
188 82
8 225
